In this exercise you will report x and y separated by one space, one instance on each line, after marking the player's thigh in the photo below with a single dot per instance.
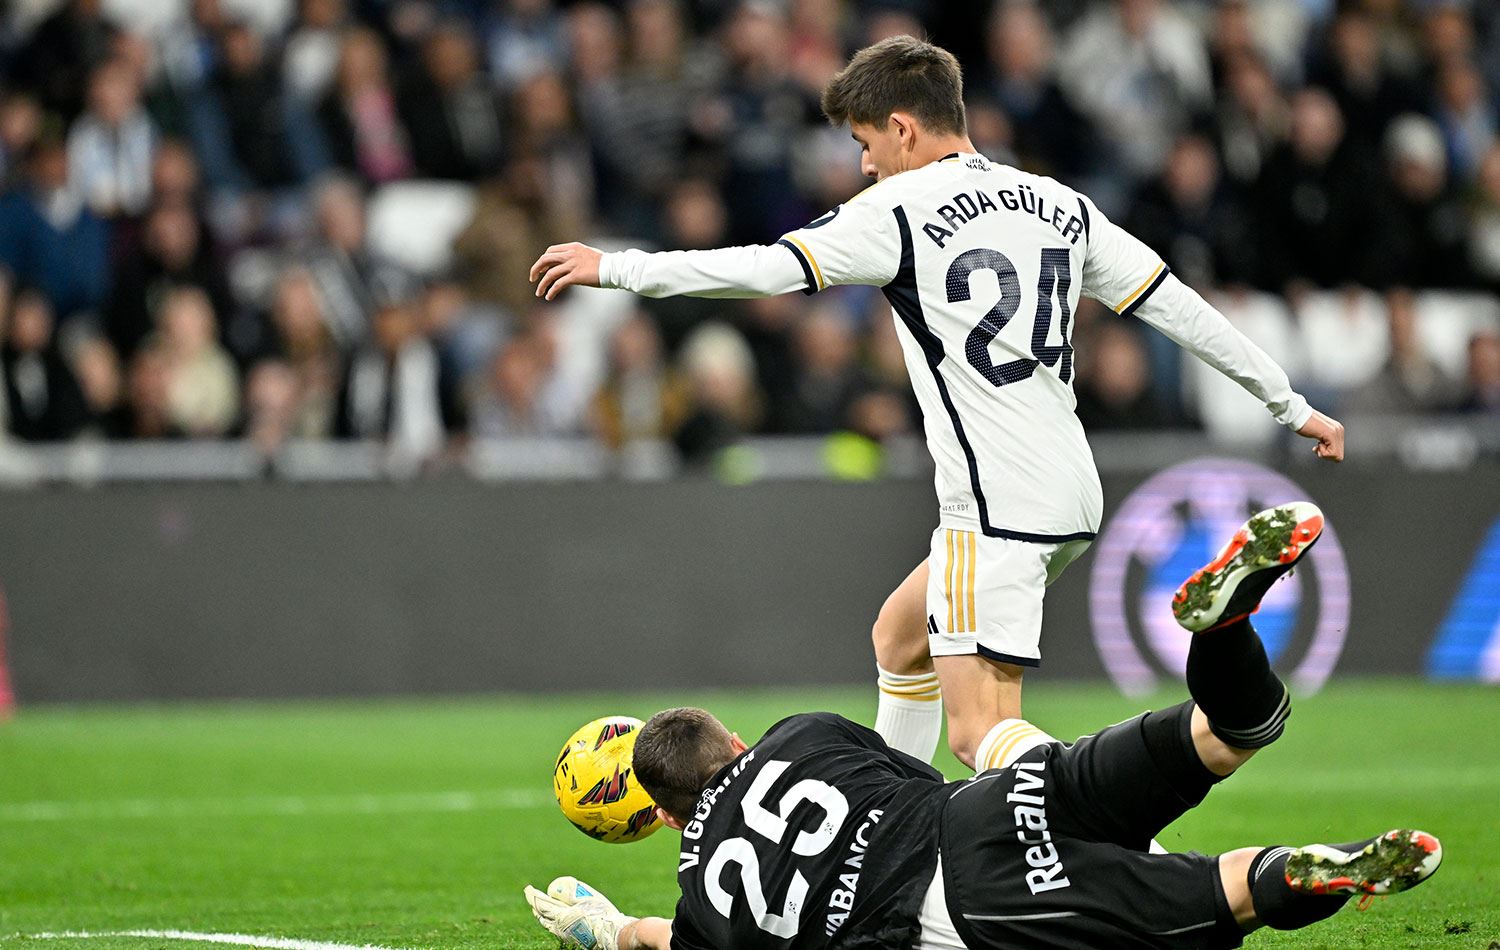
1101 896
984 596
900 631
1127 782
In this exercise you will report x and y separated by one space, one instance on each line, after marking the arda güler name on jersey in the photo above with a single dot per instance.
966 207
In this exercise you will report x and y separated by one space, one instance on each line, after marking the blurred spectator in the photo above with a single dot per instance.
56 60
595 50
1357 72
344 269
754 118
1114 392
304 347
190 48
1253 118
21 123
1483 389
390 389
248 132
1140 72
695 219
173 253
148 412
203 387
640 117
311 52
640 400
1313 199
97 369
545 134
1484 223
111 146
522 38
1050 137
1411 380
512 401
175 175
271 403
720 376
1426 243
1205 238
517 215
450 111
49 239
1466 114
41 396
829 380
360 121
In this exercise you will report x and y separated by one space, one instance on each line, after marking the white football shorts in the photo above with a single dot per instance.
984 595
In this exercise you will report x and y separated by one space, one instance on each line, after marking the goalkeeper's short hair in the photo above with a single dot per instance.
676 754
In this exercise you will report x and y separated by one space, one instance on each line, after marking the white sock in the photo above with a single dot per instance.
910 714
1007 740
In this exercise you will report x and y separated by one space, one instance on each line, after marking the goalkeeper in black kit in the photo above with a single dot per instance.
822 836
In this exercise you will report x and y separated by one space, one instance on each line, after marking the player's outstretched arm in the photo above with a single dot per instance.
1128 277
753 271
1190 321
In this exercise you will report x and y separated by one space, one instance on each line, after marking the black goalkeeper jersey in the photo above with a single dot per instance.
821 836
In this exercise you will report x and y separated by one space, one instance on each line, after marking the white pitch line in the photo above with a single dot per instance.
242 940
503 800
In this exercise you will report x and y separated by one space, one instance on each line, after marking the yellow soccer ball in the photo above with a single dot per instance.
595 787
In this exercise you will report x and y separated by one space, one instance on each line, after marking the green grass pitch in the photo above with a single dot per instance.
415 823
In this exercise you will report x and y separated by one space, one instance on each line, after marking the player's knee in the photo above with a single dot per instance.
899 648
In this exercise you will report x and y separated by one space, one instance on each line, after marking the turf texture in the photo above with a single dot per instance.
415 823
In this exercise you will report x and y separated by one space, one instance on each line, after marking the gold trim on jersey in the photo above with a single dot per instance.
818 271
1142 288
963 560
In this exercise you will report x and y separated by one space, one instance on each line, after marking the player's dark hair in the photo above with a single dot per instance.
676 753
900 74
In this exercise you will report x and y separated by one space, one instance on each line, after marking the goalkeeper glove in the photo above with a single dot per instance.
578 915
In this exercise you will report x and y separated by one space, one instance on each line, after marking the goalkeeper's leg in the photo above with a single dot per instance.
1290 888
1242 705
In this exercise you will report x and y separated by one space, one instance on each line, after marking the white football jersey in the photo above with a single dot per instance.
983 265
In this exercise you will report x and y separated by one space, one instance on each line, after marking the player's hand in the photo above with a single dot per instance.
1328 432
578 915
565 265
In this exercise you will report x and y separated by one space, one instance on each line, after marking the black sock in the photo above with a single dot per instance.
1231 680
1276 904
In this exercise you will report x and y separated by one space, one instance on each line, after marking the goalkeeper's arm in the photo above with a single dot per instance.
648 933
584 919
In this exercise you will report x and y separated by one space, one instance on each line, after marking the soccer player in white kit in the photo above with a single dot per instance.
983 265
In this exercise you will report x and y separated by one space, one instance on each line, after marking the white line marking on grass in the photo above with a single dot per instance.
242 940
417 803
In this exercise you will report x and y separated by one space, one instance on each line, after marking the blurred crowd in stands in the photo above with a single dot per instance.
313 219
